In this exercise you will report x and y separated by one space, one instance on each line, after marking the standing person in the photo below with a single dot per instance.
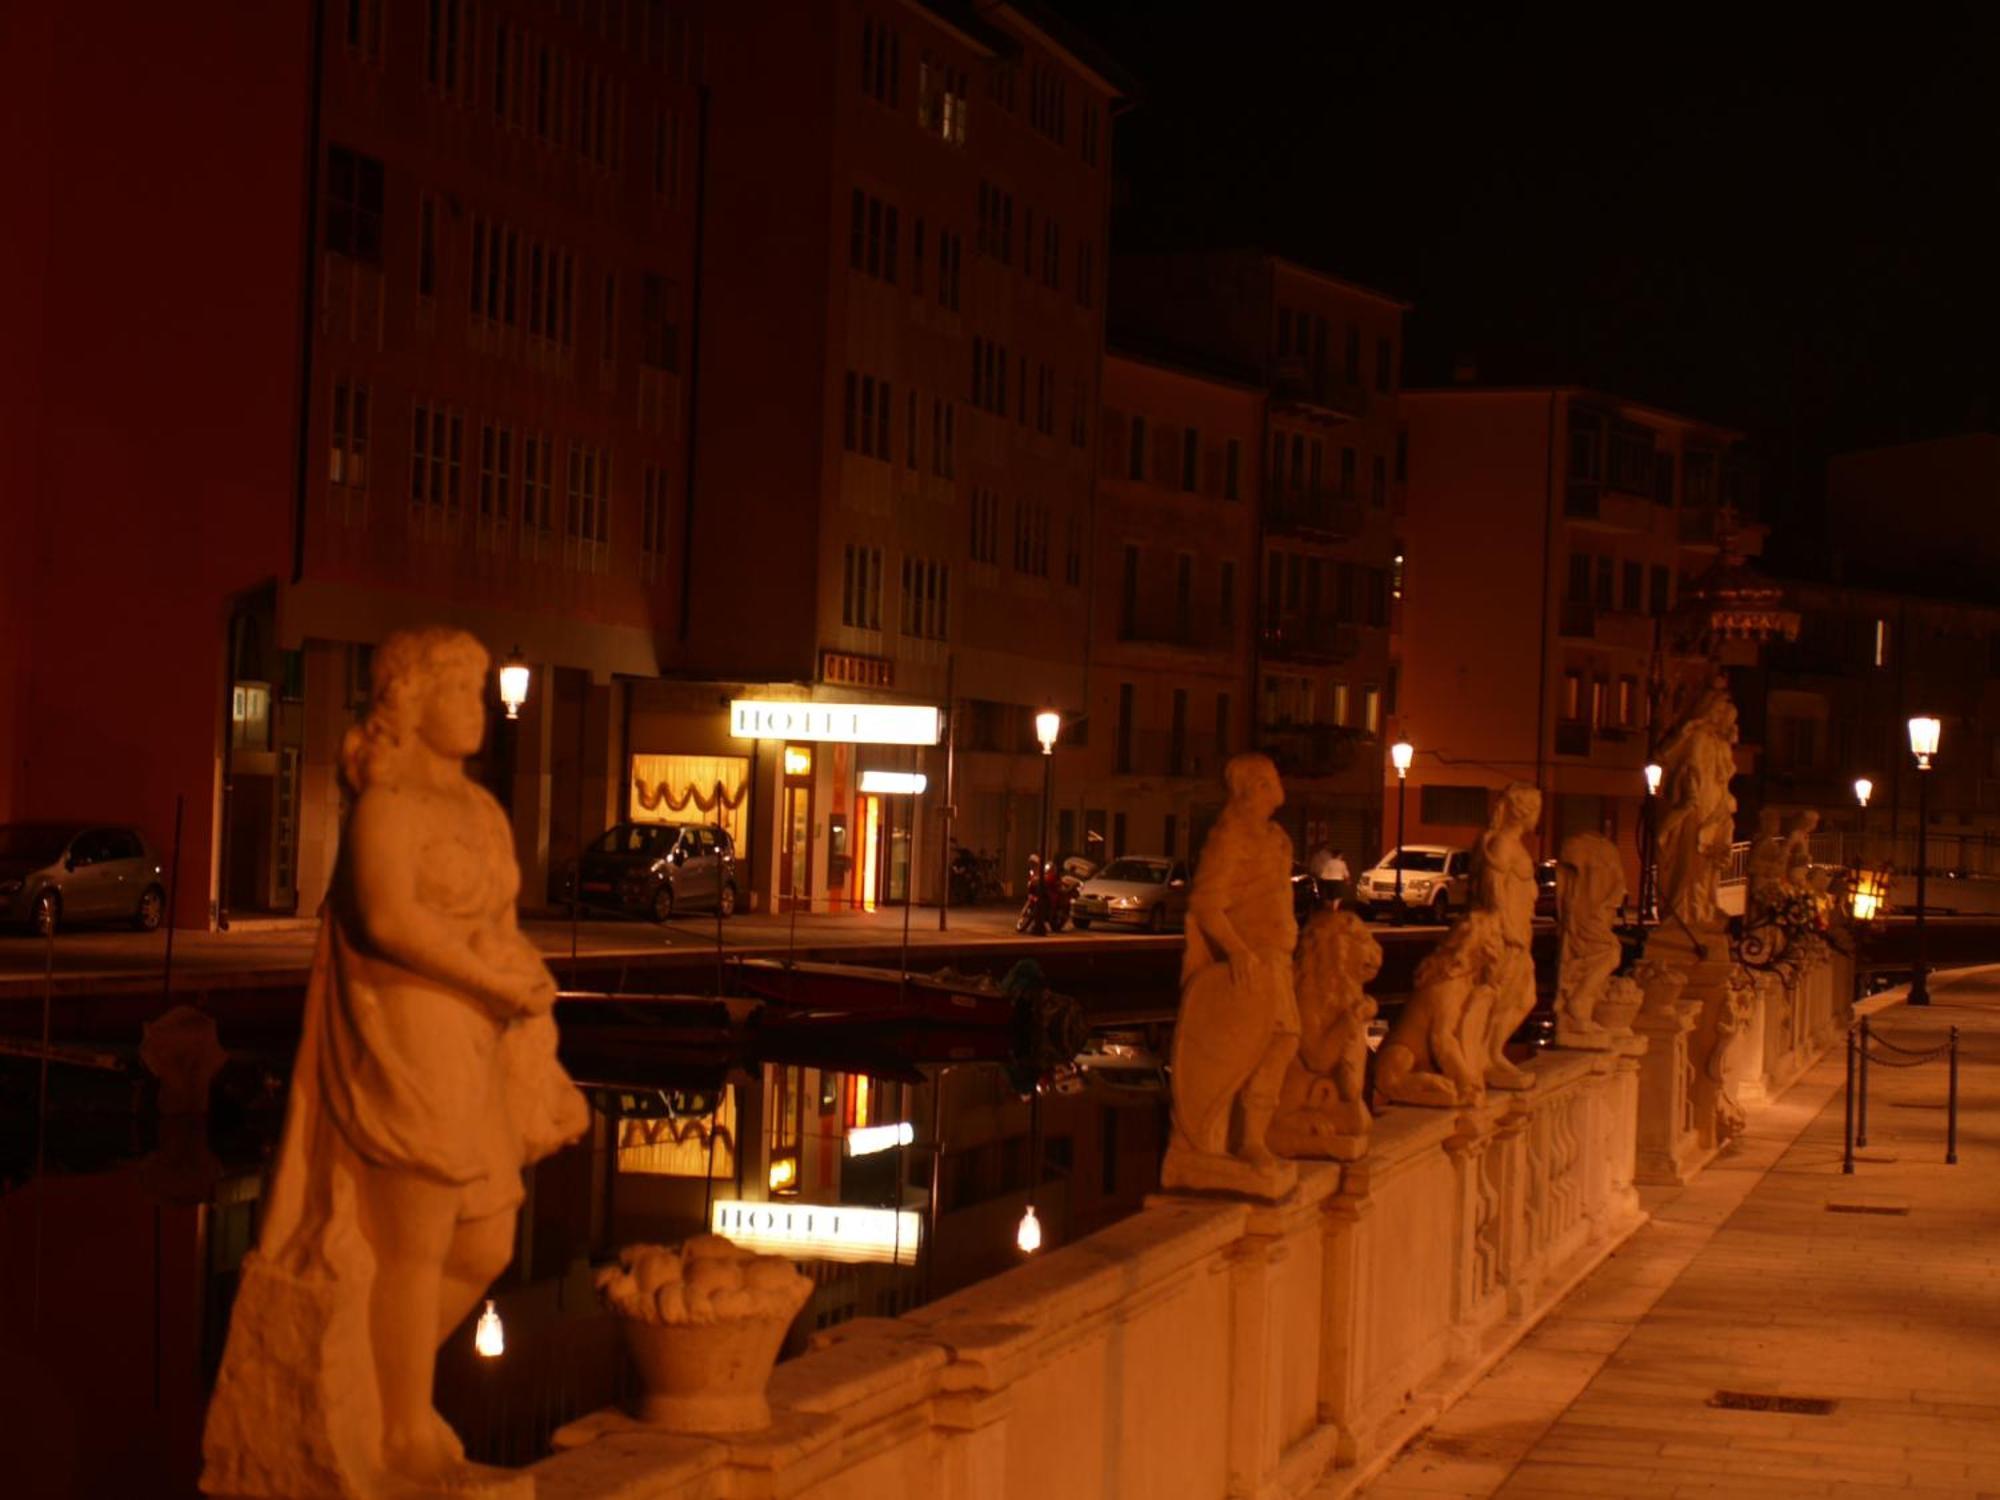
1333 885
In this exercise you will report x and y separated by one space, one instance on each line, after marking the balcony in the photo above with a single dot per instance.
1313 749
1603 507
1702 527
1295 383
1318 512
1166 624
1310 638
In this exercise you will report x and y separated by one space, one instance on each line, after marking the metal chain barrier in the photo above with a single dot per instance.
1865 1047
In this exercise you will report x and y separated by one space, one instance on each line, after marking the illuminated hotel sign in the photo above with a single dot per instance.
820 1231
895 783
846 723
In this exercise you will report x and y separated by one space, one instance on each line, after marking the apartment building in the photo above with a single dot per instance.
901 338
1549 534
1328 355
1174 552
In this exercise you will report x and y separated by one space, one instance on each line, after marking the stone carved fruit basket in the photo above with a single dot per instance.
704 1322
1619 1005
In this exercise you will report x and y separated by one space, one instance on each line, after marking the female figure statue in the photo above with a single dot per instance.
1504 885
426 1080
1697 815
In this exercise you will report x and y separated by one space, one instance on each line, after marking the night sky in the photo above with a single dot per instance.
1779 218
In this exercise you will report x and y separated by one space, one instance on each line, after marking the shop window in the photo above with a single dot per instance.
697 789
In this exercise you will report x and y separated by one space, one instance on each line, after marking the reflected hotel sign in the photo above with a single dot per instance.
820 1231
845 723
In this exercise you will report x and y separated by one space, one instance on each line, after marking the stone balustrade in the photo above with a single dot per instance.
1203 1347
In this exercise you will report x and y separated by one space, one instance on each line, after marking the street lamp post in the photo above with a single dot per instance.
1924 734
1401 753
1048 724
1863 790
1649 874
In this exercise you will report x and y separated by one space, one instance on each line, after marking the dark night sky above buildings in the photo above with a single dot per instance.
1780 222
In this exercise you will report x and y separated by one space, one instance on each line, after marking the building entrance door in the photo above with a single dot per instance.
795 847
868 867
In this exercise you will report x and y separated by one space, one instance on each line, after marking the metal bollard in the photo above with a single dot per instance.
1847 1129
1951 1108
1861 1110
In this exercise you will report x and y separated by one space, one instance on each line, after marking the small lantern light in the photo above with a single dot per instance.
1863 788
1048 724
1402 753
784 1174
1924 734
514 684
1865 895
488 1337
1653 775
1028 1238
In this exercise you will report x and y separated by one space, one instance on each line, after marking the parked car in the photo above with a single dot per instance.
1146 891
657 869
1436 882
55 874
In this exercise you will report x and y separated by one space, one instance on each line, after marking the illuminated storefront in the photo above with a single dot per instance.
693 789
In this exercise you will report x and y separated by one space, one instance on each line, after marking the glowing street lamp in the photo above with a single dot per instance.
487 1335
1863 789
514 684
1028 1237
1925 731
1649 855
1048 724
1401 754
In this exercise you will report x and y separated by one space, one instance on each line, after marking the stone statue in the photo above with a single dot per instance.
426 1080
1698 816
1767 865
1590 889
1239 1020
1435 1052
1323 1105
1503 885
1798 850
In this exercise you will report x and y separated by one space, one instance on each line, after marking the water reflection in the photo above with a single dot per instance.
118 1264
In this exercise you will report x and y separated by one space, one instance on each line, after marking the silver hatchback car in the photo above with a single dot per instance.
56 873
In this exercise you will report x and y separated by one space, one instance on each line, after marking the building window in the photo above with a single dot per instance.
881 64
1628 702
537 489
1572 701
1348 466
1881 642
437 453
653 526
1661 581
496 476
924 598
1378 481
1128 600
861 588
1087 133
1353 360
348 459
445 63
354 205
985 526
1225 598
363 28
659 330
1122 751
1338 704
667 155
1604 597
586 524
1137 468
1190 459
426 247
951 256
944 445
1031 538
1222 735
1385 365
1073 552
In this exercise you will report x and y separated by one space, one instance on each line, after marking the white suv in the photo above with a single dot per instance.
1436 881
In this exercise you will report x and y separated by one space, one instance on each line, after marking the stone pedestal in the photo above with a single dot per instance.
1664 1148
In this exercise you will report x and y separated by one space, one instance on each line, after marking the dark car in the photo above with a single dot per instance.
53 874
1306 894
656 869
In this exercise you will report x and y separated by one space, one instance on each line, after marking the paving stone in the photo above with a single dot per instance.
1743 1281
